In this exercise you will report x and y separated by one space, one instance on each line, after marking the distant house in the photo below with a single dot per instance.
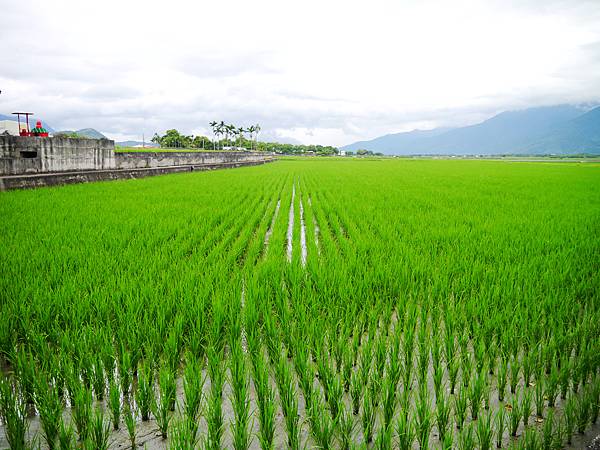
342 152
11 127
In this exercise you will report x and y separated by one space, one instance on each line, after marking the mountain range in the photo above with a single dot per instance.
562 129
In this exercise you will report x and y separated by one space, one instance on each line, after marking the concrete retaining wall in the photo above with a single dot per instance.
53 179
24 155
138 160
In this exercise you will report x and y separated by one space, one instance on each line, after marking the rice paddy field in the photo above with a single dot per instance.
308 303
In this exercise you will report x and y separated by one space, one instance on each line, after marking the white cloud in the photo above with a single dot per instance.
319 72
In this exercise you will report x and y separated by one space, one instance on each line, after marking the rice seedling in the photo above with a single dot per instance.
525 407
214 416
345 427
513 378
49 406
569 420
582 412
476 392
442 415
539 398
289 401
182 435
383 441
514 416
500 426
129 417
405 431
66 436
192 392
466 440
423 418
322 426
265 400
82 412
356 392
161 407
100 431
114 401
485 432
13 413
460 407
144 394
240 400
368 414
552 386
502 378
547 438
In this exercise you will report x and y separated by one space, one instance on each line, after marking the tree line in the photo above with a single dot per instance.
229 136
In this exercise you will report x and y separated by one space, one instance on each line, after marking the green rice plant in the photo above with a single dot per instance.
193 383
530 440
100 431
547 438
466 439
114 402
144 394
82 412
99 380
49 406
125 369
569 420
13 414
513 378
322 426
552 386
442 415
289 401
336 392
453 367
368 413
502 378
559 437
345 427
356 392
527 364
582 411
565 379
438 376
466 367
129 417
539 397
383 441
460 407
476 394
240 400
500 425
595 400
389 401
405 431
161 406
66 436
423 417
182 435
485 432
347 366
448 442
525 407
265 400
514 416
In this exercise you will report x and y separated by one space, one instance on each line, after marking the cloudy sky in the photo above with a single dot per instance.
313 71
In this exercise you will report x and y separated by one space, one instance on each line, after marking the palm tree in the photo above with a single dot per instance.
213 125
231 129
240 132
251 129
221 127
256 130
